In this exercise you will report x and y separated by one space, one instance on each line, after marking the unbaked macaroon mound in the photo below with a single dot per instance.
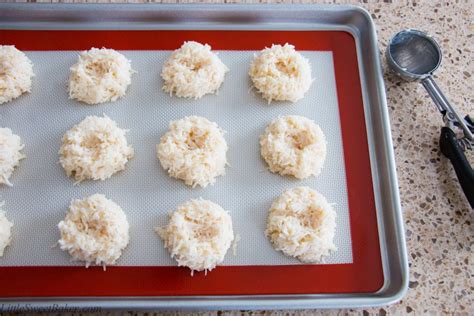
94 149
198 235
193 150
5 231
293 145
10 154
280 73
192 71
99 76
301 224
95 230
16 72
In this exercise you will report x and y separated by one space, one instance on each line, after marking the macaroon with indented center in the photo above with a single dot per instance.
94 149
10 154
99 76
16 73
95 231
198 235
301 224
294 145
280 73
193 150
193 71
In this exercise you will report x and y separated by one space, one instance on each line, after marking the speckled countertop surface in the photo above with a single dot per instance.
438 219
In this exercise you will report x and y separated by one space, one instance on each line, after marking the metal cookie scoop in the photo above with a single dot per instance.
413 55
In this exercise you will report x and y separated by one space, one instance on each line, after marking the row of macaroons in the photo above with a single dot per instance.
301 224
193 149
103 75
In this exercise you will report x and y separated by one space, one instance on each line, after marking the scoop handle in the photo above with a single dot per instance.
450 148
444 106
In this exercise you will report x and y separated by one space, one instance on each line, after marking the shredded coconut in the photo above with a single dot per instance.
16 72
281 73
193 150
100 75
5 231
95 149
193 71
301 224
95 231
198 235
10 155
294 145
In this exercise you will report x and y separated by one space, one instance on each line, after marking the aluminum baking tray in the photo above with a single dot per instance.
376 271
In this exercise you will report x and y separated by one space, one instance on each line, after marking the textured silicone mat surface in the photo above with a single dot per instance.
42 192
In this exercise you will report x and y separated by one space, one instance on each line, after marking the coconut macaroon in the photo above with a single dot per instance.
193 150
100 75
94 149
198 235
293 145
95 230
280 73
10 154
16 72
5 231
192 71
301 224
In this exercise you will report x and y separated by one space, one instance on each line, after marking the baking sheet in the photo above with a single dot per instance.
42 192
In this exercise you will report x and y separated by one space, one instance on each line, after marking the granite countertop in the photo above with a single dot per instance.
438 218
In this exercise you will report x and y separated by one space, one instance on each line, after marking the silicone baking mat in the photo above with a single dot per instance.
42 192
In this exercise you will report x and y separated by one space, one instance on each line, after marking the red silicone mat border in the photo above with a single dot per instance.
365 274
